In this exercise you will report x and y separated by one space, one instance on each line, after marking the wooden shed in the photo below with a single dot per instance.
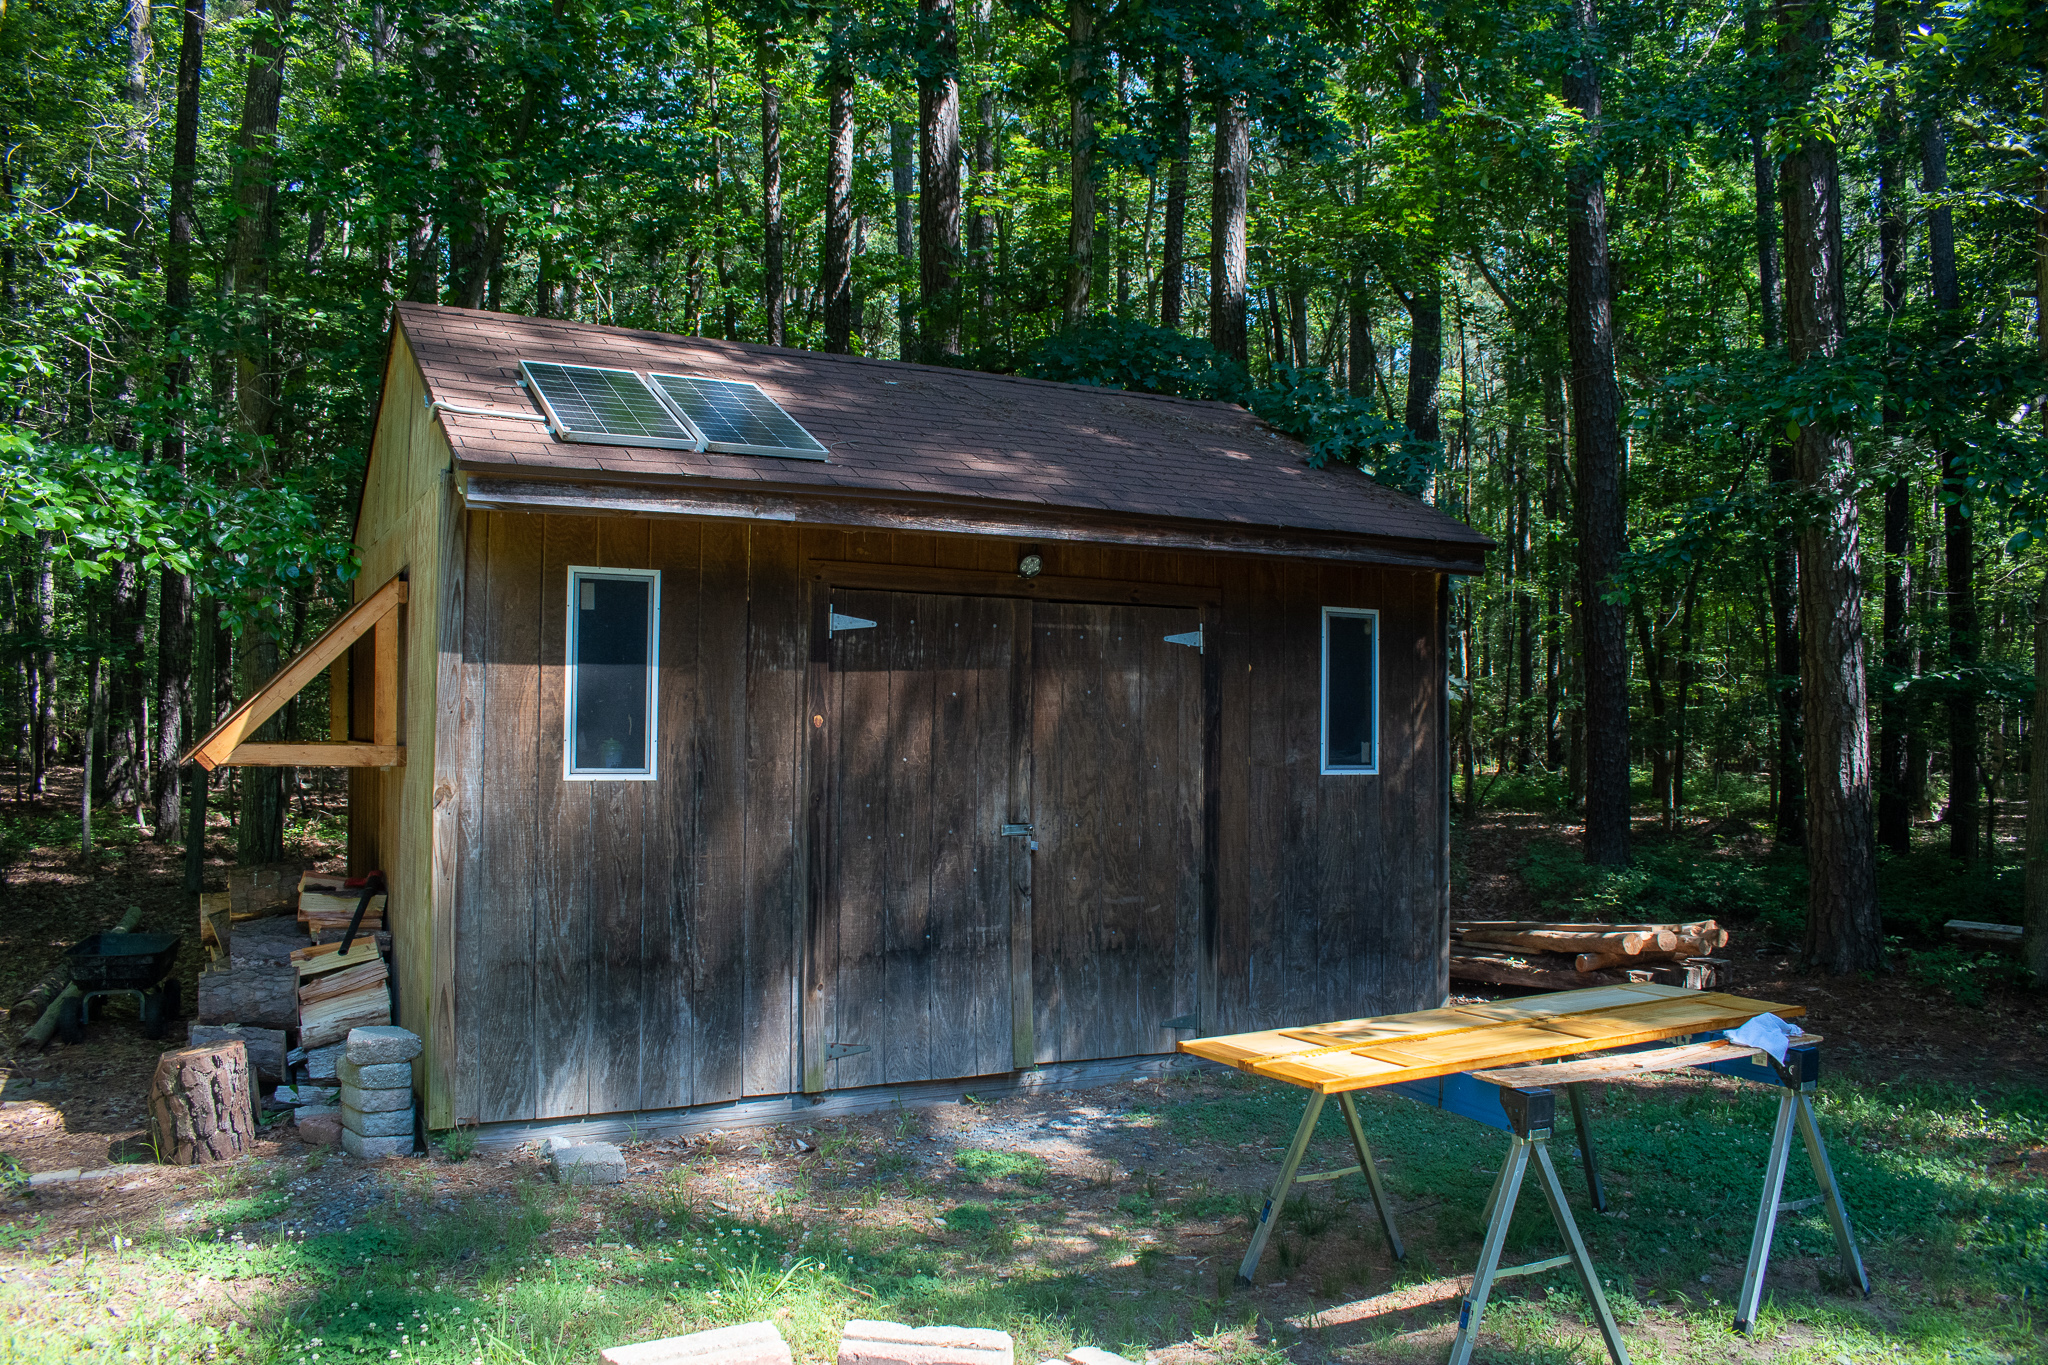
774 723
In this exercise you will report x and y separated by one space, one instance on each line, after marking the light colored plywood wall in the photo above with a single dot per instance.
405 514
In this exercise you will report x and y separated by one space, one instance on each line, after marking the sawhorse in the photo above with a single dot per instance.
1523 1101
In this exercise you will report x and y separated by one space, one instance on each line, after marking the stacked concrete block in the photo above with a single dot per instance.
375 1071
750 1343
865 1342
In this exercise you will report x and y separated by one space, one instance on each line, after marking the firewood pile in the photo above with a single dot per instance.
279 982
1562 956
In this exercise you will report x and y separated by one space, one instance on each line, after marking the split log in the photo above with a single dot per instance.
320 905
265 1046
1631 942
267 996
322 958
201 1106
330 1021
346 982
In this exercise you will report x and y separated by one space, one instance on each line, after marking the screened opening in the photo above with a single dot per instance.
612 619
1351 701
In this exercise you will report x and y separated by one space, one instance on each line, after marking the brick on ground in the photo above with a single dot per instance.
585 1163
866 1342
749 1343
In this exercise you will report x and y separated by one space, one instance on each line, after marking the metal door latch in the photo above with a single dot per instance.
838 1050
1013 831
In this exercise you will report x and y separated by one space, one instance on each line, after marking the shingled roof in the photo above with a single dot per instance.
923 435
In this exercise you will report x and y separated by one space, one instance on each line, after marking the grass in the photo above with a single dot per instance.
1958 1248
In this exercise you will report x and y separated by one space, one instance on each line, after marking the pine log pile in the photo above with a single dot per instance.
1565 956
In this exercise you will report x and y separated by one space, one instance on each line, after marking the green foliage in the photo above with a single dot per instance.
458 1144
1119 353
988 1165
1963 974
1668 881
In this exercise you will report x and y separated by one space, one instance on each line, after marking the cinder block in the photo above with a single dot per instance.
378 1044
866 1342
321 1061
320 1130
390 1123
381 1076
592 1163
375 1101
750 1343
371 1148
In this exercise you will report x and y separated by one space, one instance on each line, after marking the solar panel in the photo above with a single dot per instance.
605 407
736 417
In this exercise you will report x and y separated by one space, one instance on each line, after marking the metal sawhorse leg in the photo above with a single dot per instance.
1277 1200
1531 1114
1798 1076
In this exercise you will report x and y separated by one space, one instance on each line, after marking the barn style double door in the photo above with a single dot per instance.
1006 816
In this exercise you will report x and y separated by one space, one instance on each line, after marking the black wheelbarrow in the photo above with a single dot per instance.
122 964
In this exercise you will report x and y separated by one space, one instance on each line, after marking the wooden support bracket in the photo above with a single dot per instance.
375 615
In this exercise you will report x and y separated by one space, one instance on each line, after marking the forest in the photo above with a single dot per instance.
1723 319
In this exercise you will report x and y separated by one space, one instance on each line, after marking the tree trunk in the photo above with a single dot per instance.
1894 813
261 825
836 276
982 226
772 287
938 175
1842 933
1788 773
1081 162
1422 413
1959 553
127 692
1364 362
2035 915
1229 202
202 1105
901 180
1173 263
1597 449
174 590
46 735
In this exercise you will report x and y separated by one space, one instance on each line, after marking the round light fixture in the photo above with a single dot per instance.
1029 565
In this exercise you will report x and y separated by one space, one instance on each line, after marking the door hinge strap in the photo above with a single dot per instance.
838 1050
834 622
1192 638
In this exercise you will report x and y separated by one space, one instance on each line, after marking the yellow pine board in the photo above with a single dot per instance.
1540 1028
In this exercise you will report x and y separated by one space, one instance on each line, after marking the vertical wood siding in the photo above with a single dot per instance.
636 945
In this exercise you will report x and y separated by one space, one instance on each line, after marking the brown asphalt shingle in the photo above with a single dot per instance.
917 432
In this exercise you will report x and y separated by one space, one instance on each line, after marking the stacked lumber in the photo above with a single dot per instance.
335 1002
1566 955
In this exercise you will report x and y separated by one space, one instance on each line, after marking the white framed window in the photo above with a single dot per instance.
614 647
1351 690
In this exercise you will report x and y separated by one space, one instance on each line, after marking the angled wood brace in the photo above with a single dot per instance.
375 615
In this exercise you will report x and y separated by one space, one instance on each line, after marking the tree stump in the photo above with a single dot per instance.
201 1107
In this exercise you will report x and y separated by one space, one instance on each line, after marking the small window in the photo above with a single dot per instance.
614 618
1351 690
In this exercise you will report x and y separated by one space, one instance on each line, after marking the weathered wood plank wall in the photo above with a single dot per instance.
622 946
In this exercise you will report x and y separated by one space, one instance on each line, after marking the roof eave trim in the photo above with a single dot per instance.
494 488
